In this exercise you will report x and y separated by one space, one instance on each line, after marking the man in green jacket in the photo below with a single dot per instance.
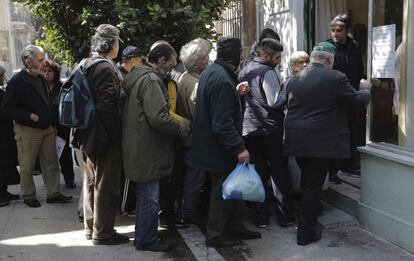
147 140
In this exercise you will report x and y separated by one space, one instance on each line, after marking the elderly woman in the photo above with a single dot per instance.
298 61
51 73
8 152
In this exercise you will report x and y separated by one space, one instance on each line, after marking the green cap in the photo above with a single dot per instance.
324 47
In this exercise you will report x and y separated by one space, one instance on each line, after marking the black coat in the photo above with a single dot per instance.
8 149
218 120
316 124
23 97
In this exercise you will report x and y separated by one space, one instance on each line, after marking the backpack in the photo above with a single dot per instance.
76 106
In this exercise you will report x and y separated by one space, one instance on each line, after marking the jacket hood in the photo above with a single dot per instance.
134 75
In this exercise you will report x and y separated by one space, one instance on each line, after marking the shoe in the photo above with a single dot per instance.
88 236
4 202
245 234
60 198
356 173
157 246
307 237
219 242
180 223
115 239
70 184
262 225
286 221
10 196
32 202
335 179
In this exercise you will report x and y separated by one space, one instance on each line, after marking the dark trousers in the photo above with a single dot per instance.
101 192
171 187
224 215
313 176
66 159
266 153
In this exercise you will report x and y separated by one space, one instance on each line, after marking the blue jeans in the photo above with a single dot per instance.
146 221
193 181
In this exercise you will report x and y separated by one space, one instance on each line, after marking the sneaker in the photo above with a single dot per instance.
70 184
115 239
60 198
32 203
157 246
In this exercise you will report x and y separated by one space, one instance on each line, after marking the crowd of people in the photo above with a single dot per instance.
164 132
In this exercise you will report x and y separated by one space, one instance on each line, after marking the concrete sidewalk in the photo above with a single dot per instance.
53 232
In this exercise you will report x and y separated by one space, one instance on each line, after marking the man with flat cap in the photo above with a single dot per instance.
316 129
217 143
131 56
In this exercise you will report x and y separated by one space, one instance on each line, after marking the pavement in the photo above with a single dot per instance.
53 232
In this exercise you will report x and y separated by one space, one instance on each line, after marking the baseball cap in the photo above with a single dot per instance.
324 47
132 51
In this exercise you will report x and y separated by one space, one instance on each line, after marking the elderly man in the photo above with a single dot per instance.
148 140
217 143
101 143
194 56
131 56
316 129
27 102
263 129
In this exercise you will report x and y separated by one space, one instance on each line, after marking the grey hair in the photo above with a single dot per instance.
191 51
321 56
30 51
103 42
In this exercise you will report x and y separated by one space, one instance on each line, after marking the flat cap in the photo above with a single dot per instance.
324 47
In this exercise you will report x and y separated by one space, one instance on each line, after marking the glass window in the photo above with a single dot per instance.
388 72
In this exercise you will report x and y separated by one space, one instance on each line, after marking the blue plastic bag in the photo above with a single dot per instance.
244 183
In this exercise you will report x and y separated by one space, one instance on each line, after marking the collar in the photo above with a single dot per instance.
228 69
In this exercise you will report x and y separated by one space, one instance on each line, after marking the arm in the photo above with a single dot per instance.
350 97
106 99
222 99
271 88
155 107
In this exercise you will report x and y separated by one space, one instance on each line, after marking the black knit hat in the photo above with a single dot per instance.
228 50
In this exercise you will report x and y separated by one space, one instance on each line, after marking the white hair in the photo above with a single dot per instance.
322 56
191 52
29 52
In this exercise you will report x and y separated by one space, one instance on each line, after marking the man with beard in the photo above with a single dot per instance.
28 103
263 129
217 143
148 140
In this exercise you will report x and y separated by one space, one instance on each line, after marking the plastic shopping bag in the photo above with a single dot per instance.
244 183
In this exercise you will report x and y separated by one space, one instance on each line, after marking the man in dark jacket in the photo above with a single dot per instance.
101 143
348 60
148 140
28 103
263 129
316 129
217 142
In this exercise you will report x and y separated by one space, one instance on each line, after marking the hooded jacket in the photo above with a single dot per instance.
148 128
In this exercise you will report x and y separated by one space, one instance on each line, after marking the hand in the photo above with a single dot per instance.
244 156
364 84
243 88
34 117
51 131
